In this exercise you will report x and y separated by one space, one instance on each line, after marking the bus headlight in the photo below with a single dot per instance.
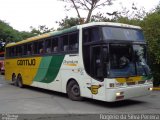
118 94
150 89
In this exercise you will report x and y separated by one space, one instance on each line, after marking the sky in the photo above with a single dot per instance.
21 14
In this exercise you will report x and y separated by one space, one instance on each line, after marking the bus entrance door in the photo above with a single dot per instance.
96 67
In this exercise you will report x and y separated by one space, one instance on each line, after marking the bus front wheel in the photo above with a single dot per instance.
73 91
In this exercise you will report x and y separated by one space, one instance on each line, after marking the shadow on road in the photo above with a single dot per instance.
117 104
45 91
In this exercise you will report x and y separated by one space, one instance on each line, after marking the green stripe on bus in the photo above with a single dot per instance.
53 69
43 67
49 68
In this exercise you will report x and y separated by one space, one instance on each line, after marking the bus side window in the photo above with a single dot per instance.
64 43
30 49
55 45
73 41
16 51
12 52
95 34
19 51
91 34
86 35
24 47
9 53
41 47
48 45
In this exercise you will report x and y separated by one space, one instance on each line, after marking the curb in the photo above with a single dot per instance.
156 88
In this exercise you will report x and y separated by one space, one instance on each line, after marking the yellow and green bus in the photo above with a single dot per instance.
99 60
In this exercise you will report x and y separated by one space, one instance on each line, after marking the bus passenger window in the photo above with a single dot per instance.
73 41
54 44
41 47
55 49
95 34
64 41
91 34
19 51
65 48
30 49
48 45
16 51
86 35
24 47
12 52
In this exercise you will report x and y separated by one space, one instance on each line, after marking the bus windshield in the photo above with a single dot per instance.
117 33
128 60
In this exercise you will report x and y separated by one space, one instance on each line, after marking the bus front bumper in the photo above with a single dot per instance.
118 94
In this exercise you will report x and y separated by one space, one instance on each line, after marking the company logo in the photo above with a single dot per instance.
70 63
94 89
27 62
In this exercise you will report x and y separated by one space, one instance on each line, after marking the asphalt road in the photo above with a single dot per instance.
31 100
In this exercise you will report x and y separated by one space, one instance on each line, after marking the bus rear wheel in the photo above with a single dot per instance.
73 91
19 81
14 80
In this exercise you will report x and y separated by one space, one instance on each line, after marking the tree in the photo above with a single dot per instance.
7 33
25 35
87 5
151 27
41 30
67 22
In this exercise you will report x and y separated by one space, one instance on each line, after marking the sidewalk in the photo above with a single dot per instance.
156 88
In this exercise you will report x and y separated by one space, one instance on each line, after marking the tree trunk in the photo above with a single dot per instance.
76 9
89 16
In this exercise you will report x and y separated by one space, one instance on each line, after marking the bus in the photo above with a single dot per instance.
99 60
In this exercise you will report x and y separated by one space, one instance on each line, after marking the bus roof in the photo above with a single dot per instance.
54 33
109 24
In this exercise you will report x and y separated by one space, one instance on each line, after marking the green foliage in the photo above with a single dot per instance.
7 33
86 5
25 35
67 22
126 20
151 27
40 30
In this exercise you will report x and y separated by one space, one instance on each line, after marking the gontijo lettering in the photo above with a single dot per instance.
27 62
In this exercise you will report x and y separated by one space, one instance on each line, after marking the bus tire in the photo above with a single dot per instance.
73 91
19 81
14 80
